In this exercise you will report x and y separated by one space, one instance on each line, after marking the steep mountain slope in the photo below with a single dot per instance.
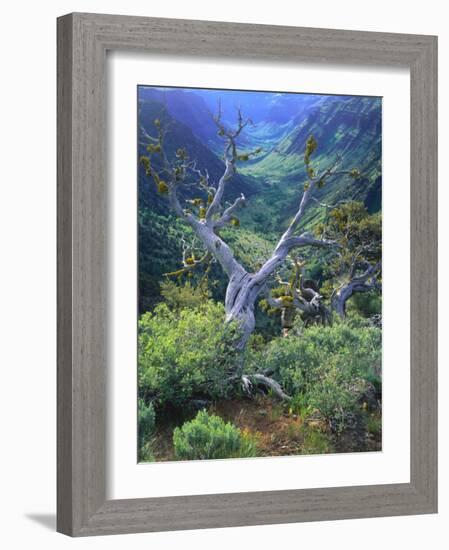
346 126
186 107
272 182
180 135
160 232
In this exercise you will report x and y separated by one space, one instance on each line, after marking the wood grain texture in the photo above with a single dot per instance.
83 40
64 277
423 274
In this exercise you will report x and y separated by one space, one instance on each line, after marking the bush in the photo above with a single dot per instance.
209 437
374 424
146 422
185 296
336 395
366 303
315 442
185 354
325 368
146 419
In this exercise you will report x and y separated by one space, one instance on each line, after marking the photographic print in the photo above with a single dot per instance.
259 273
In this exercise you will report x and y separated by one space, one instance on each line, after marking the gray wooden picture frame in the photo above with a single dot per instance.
83 40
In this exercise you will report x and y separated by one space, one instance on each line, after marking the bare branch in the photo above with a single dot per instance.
228 214
230 157
260 379
306 196
215 204
328 206
274 303
363 283
146 135
189 261
284 246
308 240
305 299
176 206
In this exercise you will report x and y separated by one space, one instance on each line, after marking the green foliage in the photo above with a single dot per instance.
311 145
256 342
162 187
367 303
336 393
146 419
315 269
299 405
354 318
187 295
360 236
146 453
326 368
160 239
374 424
315 442
185 354
209 437
355 229
146 423
283 294
145 161
249 249
153 148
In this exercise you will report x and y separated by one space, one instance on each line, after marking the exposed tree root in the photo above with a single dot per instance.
248 380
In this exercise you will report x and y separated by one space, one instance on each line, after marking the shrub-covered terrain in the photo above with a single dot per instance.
188 410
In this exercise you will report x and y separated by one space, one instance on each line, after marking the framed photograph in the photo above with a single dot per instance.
247 274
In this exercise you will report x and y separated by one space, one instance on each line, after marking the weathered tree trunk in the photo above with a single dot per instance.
244 288
241 295
343 294
363 283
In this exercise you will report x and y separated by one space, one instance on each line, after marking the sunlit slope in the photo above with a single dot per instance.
350 128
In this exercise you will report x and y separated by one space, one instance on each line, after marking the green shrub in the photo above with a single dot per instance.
185 296
146 420
325 368
209 437
374 424
146 453
366 303
185 354
146 423
316 442
335 395
299 405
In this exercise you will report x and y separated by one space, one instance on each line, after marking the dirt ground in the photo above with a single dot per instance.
278 431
